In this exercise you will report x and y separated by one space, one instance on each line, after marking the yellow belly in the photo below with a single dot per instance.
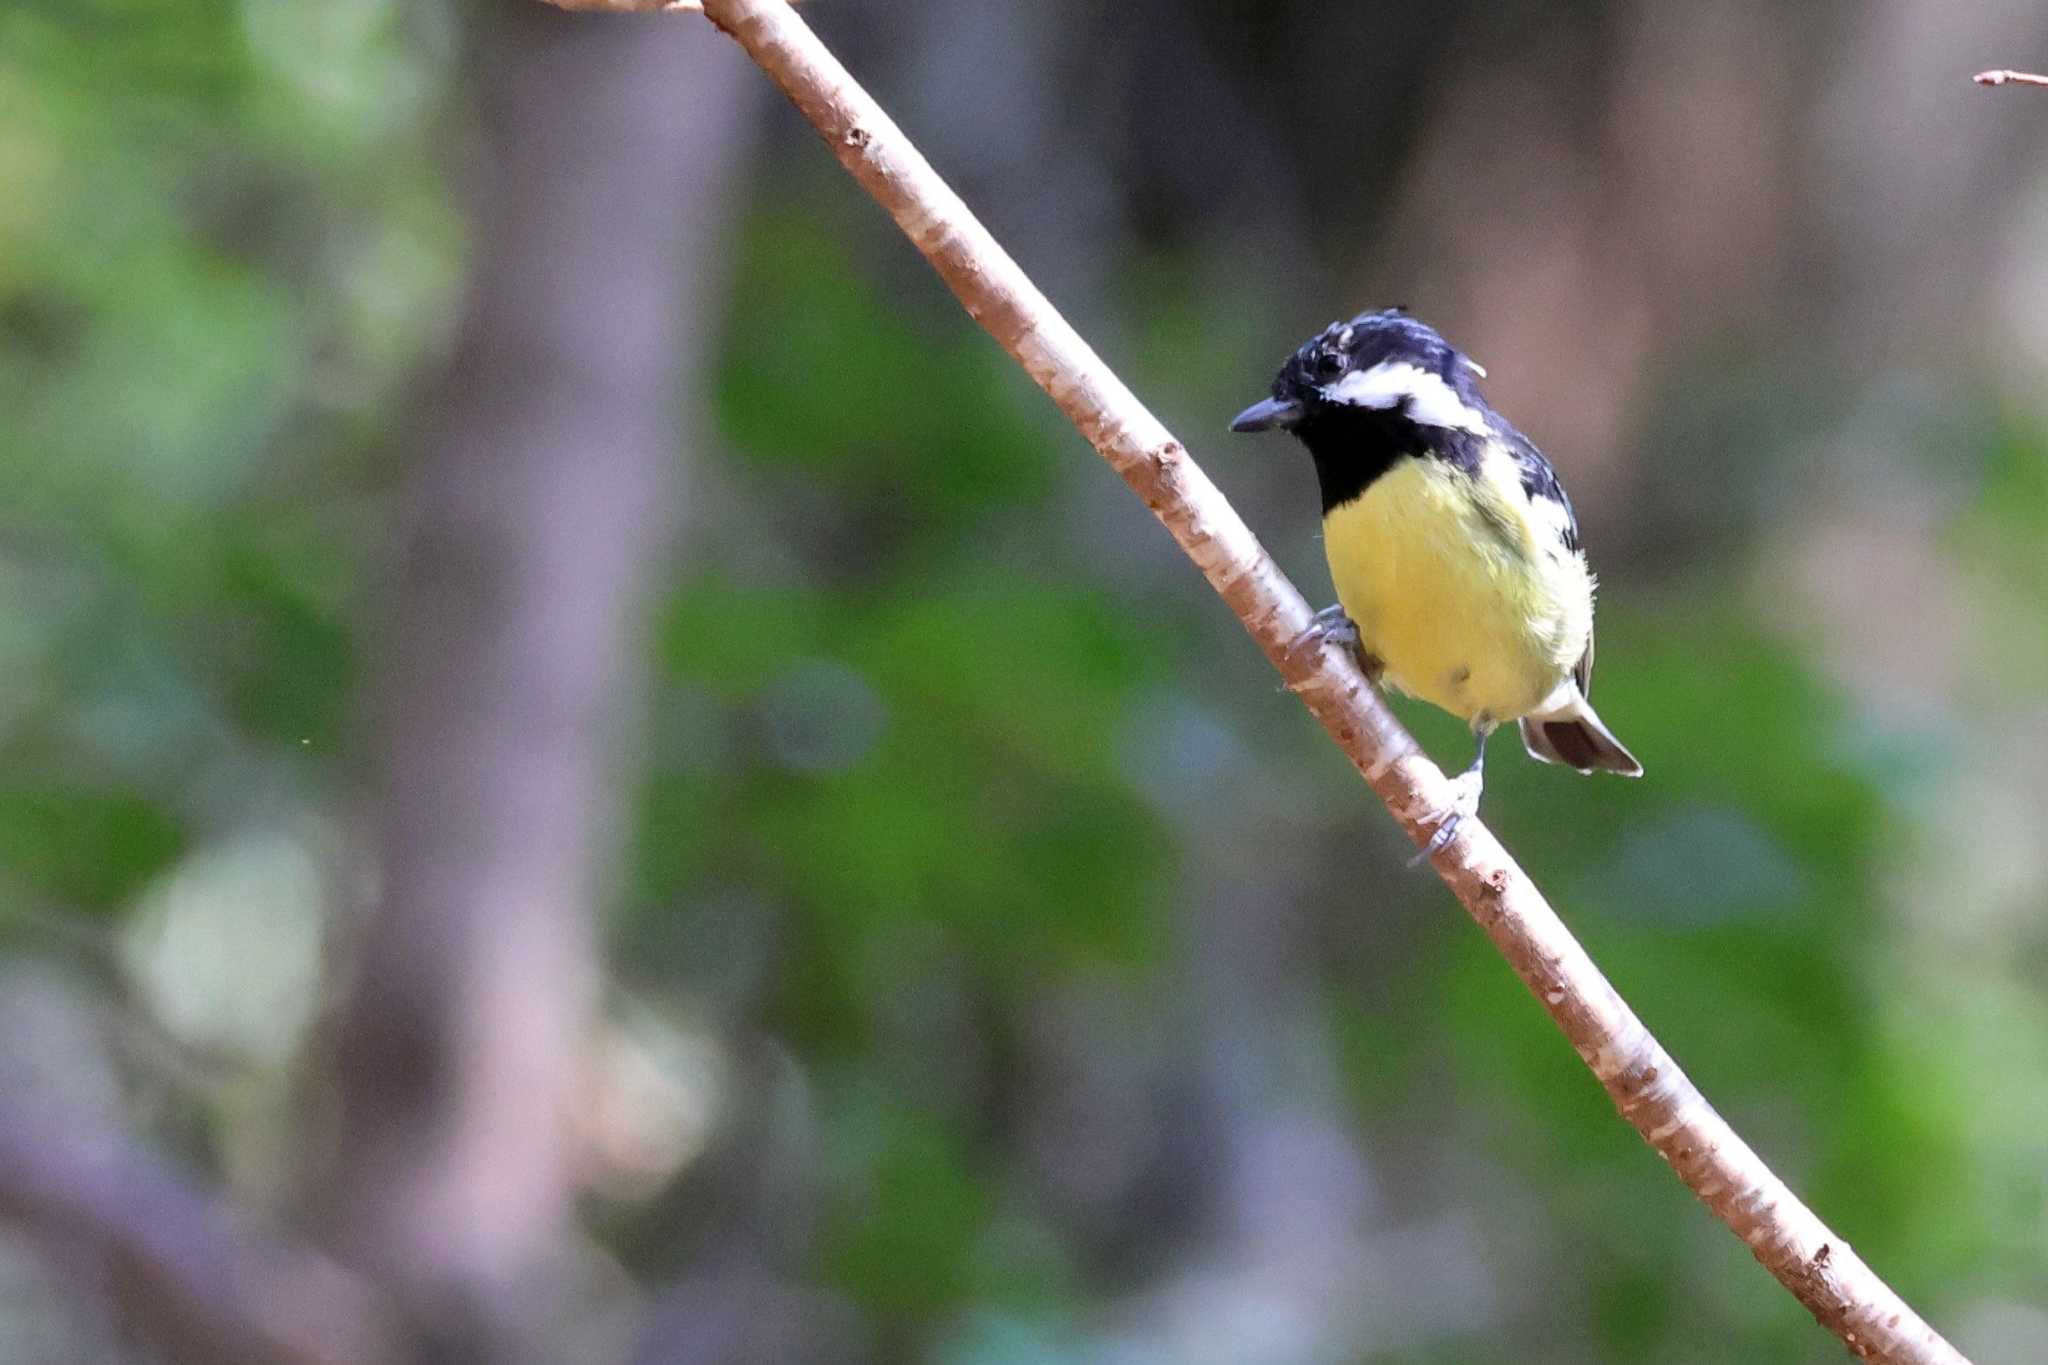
1465 593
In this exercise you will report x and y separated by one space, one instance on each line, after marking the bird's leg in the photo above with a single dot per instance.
1332 625
1466 787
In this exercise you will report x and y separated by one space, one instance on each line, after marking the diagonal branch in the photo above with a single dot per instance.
1843 1293
188 1273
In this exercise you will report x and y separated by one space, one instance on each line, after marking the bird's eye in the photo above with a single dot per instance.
1329 365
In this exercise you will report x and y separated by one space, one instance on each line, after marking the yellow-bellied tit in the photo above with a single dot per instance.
1456 558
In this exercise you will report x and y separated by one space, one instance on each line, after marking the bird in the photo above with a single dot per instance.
1456 558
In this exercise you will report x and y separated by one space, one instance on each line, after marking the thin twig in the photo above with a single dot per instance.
1647 1086
2009 78
627 6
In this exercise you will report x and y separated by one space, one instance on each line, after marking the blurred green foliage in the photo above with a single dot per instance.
1999 537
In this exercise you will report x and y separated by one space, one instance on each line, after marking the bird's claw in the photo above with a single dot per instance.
1330 626
1465 789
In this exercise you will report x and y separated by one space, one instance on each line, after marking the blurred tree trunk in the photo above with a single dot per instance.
539 503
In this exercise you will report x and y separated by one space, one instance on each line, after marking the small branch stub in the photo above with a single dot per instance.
634 6
628 6
2009 78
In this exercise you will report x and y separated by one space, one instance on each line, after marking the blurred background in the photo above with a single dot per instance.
588 773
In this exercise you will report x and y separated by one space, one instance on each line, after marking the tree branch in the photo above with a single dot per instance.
538 505
199 1283
627 6
1640 1076
2009 78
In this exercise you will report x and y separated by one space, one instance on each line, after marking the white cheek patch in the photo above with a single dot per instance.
1431 402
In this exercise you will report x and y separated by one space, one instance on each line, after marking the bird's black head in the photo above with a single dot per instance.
1384 363
1362 394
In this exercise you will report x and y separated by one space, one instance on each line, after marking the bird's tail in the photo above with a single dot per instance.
1574 736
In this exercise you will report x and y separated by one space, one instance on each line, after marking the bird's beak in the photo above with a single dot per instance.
1265 414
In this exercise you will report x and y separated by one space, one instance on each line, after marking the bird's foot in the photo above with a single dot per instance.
1332 626
1328 624
1464 803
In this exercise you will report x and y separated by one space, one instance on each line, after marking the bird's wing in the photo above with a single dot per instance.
1539 482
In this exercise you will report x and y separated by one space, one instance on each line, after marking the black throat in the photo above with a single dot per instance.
1353 446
